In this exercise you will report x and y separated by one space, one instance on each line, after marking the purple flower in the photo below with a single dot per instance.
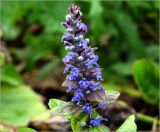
99 78
83 124
68 37
74 74
68 67
77 96
102 105
70 57
87 108
71 88
81 26
81 64
65 24
83 44
84 83
94 85
95 121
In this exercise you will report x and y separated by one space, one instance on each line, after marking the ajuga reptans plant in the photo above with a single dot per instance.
83 77
84 73
83 80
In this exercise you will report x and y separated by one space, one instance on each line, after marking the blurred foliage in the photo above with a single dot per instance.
146 75
117 27
25 129
124 32
19 104
10 75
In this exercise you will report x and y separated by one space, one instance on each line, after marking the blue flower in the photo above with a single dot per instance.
87 108
99 78
71 88
83 124
88 63
83 44
81 64
81 26
95 121
68 67
68 37
102 105
65 24
84 83
77 96
74 74
70 57
94 85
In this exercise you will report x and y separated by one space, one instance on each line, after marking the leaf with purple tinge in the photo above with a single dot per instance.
62 108
107 97
68 83
92 71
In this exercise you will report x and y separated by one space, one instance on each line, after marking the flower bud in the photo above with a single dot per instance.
68 17
80 58
71 47
69 30
80 37
67 48
83 124
87 40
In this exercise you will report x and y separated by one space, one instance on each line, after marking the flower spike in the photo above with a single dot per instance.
84 73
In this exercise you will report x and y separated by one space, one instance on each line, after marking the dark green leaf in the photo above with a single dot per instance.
129 31
152 51
48 68
97 24
122 68
146 75
129 125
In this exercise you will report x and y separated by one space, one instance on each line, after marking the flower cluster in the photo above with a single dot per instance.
84 73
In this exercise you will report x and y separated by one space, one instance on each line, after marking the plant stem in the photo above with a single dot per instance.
140 116
147 118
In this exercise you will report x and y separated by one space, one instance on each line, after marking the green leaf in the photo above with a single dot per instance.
152 51
96 18
76 121
49 67
146 76
128 125
122 68
2 61
107 97
25 129
35 56
101 128
129 30
19 105
10 75
15 13
59 107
